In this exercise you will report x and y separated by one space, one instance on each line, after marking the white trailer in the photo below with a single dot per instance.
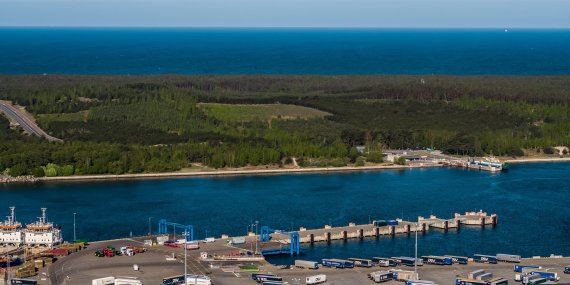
192 279
316 279
127 281
104 281
306 264
508 257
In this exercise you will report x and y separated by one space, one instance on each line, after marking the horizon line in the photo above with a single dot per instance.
293 27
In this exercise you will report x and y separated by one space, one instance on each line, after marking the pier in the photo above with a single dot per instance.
391 228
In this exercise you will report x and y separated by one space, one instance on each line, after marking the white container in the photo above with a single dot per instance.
210 239
135 267
104 281
316 279
161 239
127 281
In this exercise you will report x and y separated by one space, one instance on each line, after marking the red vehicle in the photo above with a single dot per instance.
170 244
108 252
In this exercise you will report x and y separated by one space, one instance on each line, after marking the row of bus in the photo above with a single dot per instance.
272 279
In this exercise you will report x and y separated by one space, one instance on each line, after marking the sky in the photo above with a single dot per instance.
287 13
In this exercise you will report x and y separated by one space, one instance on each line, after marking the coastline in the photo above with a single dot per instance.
271 171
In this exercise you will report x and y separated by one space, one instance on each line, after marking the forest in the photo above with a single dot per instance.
137 124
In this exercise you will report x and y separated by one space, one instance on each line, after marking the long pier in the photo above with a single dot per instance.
352 230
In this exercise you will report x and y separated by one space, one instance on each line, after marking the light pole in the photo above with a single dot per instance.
149 226
416 256
8 268
185 248
74 235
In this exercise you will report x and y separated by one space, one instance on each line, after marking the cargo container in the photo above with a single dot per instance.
384 262
404 275
485 258
458 259
361 262
392 223
379 223
552 276
381 276
420 282
103 281
485 276
254 275
468 281
161 239
127 281
498 281
519 268
408 261
306 264
209 240
534 279
476 273
23 281
537 281
338 263
508 258
437 260
238 240
192 279
316 279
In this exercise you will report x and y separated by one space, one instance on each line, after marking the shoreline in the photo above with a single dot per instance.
271 171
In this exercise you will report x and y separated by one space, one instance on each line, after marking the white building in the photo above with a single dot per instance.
42 233
11 232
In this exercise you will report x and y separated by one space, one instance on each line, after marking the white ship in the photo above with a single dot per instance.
489 163
11 231
42 233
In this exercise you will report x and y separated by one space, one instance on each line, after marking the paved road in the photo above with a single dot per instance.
24 122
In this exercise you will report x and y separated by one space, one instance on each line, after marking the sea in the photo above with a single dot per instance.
531 201
330 51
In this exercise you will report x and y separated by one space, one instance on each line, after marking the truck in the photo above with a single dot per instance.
381 276
485 258
533 279
552 276
316 279
519 268
361 262
508 258
238 240
103 281
384 262
268 278
408 261
209 240
458 259
437 260
306 264
23 281
379 223
338 263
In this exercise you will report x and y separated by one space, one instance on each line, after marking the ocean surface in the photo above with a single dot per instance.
283 51
531 200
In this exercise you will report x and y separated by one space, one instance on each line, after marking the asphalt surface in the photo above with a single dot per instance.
24 122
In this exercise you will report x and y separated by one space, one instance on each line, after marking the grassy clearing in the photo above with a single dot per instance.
46 119
239 112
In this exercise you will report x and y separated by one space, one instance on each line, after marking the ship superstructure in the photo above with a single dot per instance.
11 231
42 232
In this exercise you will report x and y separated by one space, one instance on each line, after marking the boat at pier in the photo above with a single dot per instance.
11 231
489 163
42 232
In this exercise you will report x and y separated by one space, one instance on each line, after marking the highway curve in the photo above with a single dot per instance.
28 125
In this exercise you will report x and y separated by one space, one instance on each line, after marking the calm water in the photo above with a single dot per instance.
283 51
531 201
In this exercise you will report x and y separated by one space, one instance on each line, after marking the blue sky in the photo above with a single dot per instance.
287 13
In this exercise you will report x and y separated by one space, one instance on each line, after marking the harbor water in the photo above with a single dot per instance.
530 199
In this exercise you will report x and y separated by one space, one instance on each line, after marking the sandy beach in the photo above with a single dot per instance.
269 171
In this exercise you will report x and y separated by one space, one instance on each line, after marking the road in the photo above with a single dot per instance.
28 125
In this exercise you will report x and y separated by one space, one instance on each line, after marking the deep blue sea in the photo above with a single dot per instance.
283 51
531 201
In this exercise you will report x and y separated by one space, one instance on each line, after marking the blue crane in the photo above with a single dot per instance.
295 240
163 228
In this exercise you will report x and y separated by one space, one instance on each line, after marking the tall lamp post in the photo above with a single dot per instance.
416 256
74 233
149 226
185 248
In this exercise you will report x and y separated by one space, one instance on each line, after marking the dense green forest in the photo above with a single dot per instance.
134 124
